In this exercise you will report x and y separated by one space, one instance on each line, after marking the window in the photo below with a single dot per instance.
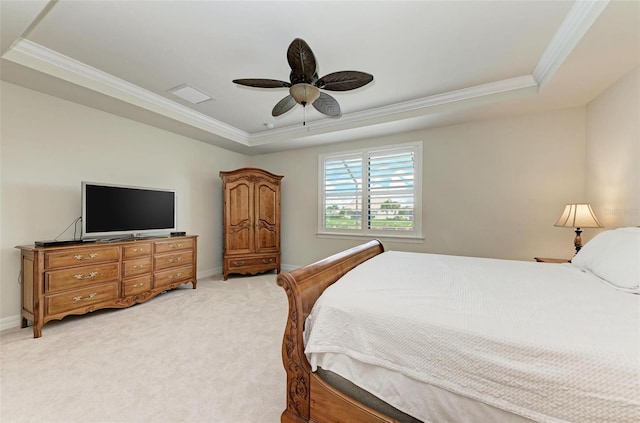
372 192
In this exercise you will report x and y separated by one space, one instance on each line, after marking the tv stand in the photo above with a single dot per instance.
77 279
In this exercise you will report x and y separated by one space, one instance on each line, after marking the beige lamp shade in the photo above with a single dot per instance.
578 215
304 93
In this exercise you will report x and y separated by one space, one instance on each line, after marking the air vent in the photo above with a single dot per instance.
190 94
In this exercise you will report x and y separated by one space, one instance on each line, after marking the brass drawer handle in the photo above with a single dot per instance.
175 245
138 266
177 275
138 250
267 261
238 263
87 257
89 275
88 297
138 285
174 260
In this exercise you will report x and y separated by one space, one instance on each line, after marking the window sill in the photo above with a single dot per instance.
391 238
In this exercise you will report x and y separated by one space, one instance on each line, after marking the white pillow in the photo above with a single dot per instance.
613 256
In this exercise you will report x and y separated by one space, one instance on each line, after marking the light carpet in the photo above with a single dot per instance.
212 354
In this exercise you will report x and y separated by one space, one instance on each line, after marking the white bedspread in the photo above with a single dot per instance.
544 341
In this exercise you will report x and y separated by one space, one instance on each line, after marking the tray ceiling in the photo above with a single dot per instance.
434 62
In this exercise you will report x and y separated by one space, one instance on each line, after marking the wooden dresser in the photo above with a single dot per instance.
81 278
251 221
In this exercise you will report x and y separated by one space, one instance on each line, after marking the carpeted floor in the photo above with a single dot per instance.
206 355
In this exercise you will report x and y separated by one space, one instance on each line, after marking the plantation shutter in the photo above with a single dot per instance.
371 192
391 190
343 193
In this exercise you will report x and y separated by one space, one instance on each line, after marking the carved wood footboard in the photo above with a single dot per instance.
309 399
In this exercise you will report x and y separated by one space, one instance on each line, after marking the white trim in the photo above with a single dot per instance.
10 322
38 57
289 268
395 111
208 273
504 85
579 19
35 56
390 238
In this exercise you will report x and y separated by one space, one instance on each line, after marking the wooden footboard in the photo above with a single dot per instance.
317 401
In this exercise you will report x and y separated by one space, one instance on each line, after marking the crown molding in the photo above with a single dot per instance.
581 16
579 19
40 58
398 111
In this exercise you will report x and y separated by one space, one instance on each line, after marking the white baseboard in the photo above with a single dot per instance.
289 267
10 322
211 272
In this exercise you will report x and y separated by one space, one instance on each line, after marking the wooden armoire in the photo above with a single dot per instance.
251 221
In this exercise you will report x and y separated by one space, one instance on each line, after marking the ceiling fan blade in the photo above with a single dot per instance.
344 80
327 105
262 83
302 62
283 106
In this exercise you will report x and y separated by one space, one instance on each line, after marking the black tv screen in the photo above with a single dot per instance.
126 210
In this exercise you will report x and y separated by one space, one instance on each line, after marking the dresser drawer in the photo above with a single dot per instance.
136 267
174 245
80 257
60 280
80 298
167 261
136 285
137 250
259 262
167 277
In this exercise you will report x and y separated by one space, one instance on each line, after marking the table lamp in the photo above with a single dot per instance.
578 215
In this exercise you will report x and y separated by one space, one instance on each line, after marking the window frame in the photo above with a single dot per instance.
408 236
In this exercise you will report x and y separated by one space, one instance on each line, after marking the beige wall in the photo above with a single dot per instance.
613 153
492 188
50 145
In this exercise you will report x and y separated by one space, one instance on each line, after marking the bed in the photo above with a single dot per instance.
375 336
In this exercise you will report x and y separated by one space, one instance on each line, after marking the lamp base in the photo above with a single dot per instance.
577 241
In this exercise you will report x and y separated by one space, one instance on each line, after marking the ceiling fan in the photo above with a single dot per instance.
305 85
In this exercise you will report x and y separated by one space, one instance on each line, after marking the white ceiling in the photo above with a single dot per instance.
434 62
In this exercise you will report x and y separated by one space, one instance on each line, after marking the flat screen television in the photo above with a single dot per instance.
120 211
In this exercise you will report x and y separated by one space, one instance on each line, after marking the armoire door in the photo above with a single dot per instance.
239 217
267 216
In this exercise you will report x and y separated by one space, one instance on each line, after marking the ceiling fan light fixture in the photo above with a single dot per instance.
304 93
305 85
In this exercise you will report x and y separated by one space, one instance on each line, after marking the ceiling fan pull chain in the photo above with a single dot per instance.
304 115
